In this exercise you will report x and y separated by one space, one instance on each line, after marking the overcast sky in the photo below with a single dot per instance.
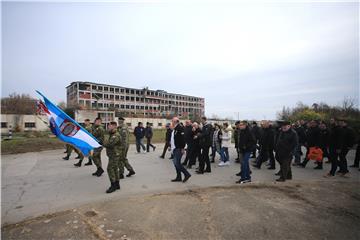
250 59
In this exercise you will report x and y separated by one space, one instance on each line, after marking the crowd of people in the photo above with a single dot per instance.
280 141
269 143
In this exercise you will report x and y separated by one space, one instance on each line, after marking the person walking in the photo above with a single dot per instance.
216 142
139 133
284 149
226 143
188 141
114 152
177 143
124 162
205 144
266 142
167 140
149 134
99 133
246 145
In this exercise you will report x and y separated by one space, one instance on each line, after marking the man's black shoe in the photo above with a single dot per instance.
238 174
121 176
176 180
186 178
199 172
237 159
96 173
100 172
189 166
66 158
184 163
88 163
161 157
209 171
117 185
112 188
78 164
130 174
319 167
280 180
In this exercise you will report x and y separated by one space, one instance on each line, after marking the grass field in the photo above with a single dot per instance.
40 141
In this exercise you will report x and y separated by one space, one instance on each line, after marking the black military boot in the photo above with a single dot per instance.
121 176
117 185
89 162
131 173
100 172
66 158
96 173
78 164
112 188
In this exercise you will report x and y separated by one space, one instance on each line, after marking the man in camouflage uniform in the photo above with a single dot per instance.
114 151
98 132
88 128
124 133
87 125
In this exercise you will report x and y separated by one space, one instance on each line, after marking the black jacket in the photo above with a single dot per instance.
286 144
246 142
179 138
301 134
205 135
267 139
335 137
148 132
348 139
313 137
188 135
324 138
168 135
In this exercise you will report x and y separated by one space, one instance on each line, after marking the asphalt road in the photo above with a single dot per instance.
40 183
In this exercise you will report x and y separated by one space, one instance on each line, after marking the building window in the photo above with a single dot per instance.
93 87
4 125
159 124
116 90
29 125
122 106
100 88
111 89
106 89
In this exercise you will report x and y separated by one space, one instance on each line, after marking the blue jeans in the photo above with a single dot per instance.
245 169
224 154
139 142
177 163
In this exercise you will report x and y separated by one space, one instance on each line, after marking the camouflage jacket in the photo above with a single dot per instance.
124 133
113 145
99 133
88 128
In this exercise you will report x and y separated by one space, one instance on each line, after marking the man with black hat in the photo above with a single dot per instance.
284 149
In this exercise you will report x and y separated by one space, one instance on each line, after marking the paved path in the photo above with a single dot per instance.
39 183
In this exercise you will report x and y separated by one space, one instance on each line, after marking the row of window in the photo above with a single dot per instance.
26 125
137 92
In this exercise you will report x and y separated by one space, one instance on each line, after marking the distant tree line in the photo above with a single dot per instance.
348 110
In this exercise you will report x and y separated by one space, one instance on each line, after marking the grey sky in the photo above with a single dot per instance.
246 58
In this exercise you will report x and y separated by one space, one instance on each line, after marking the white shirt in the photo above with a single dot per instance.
172 140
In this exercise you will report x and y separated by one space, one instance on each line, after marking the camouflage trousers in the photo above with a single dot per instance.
70 148
124 163
97 157
113 168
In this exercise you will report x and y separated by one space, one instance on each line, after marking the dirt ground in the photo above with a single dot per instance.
291 210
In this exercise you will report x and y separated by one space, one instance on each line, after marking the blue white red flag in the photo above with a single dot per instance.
67 129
